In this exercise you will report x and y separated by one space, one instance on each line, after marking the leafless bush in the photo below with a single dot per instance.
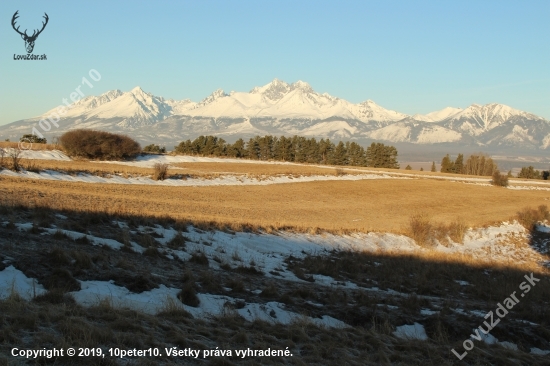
500 180
101 145
15 156
160 171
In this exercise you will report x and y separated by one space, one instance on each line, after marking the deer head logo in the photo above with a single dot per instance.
29 40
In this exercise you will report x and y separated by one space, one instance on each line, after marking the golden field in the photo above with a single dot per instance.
201 170
367 205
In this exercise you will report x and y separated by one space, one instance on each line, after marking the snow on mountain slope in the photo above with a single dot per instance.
477 119
136 107
411 130
288 101
437 116
437 134
180 106
369 111
280 108
243 128
397 132
336 129
86 104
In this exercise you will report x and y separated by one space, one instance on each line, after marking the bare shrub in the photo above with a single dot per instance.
160 171
500 180
15 156
100 145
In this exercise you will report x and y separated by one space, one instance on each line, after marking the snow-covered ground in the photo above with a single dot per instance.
148 161
13 280
225 180
40 154
266 253
414 331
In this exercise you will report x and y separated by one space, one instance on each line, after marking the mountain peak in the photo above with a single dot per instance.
301 85
273 90
137 90
217 94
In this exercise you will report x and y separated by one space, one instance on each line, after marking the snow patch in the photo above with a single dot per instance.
414 331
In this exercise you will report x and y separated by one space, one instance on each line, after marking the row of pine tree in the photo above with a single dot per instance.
294 149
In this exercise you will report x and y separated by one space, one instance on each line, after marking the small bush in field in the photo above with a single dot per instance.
100 145
500 180
160 171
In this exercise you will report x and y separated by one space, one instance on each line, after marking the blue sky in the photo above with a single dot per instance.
409 56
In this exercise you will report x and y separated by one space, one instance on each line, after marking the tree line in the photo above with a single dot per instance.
476 164
531 173
294 149
481 164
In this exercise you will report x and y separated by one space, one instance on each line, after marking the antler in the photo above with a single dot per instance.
34 35
15 16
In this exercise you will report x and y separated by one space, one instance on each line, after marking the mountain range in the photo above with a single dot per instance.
280 108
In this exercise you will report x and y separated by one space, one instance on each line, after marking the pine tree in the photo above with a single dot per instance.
421 169
458 167
253 148
339 156
325 150
447 164
433 166
408 167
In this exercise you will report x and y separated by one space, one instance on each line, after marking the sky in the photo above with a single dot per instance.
408 56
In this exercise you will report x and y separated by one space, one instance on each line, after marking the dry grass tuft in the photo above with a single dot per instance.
529 217
188 296
421 230
427 234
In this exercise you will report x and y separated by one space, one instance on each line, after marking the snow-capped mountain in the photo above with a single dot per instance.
437 116
281 108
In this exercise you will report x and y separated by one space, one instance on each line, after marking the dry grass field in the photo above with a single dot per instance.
259 169
84 166
373 293
14 145
198 170
335 206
